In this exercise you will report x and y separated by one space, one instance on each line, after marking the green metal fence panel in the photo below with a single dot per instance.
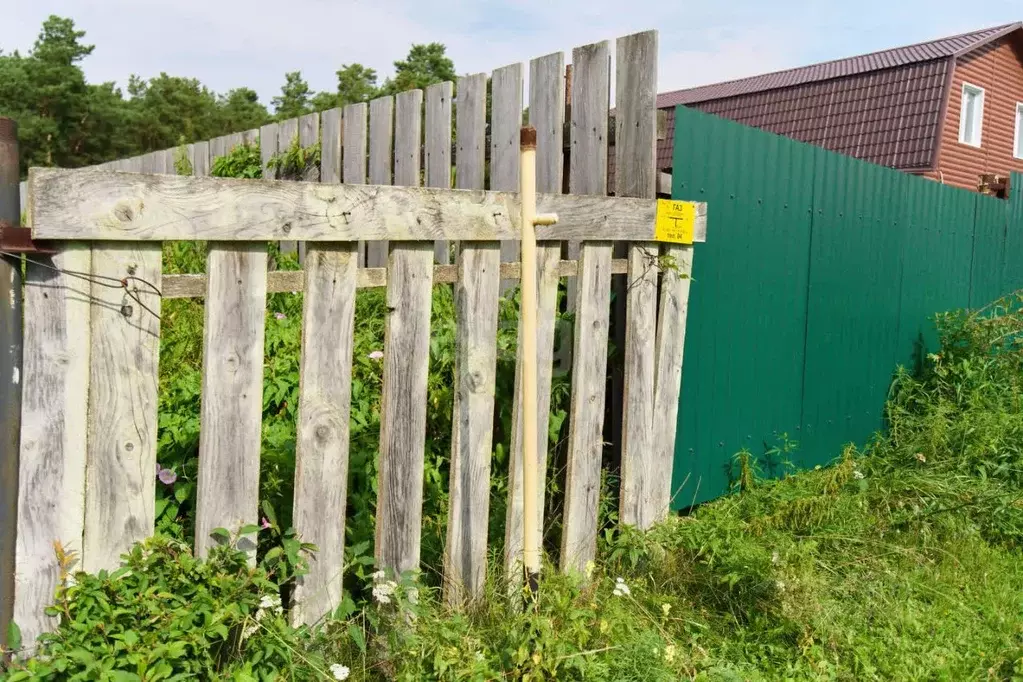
744 345
989 234
936 263
853 315
821 274
1014 236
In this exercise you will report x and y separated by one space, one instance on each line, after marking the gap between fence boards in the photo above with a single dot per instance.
285 281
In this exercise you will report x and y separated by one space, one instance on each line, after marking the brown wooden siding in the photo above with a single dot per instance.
998 68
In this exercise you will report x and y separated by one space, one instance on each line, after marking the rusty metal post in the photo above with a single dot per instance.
10 373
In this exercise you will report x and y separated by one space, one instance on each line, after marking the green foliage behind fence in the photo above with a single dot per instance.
819 277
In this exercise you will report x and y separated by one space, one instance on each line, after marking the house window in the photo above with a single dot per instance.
1017 144
971 117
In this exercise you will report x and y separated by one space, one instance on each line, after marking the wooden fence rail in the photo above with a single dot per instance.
90 373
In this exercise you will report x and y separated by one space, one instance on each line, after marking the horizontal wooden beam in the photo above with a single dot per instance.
285 281
92 204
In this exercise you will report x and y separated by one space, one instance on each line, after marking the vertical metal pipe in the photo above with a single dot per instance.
10 373
527 318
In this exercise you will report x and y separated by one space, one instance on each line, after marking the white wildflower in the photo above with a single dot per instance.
479 656
379 575
340 672
271 602
666 608
781 586
376 355
250 630
590 567
669 653
858 475
382 591
412 594
774 557
621 589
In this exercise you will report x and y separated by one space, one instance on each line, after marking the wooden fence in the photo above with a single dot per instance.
88 440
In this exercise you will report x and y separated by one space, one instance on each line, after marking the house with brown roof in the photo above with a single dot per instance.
949 109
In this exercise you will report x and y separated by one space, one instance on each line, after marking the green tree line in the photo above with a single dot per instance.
63 120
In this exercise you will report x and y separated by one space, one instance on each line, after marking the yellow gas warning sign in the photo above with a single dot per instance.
675 221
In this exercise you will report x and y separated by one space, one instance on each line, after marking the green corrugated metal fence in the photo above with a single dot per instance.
819 276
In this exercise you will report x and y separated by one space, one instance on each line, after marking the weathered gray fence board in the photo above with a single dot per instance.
232 391
218 148
408 129
354 142
471 132
330 146
588 175
406 363
201 160
268 147
671 338
381 135
476 298
123 384
505 124
287 135
321 453
308 137
636 176
223 209
547 116
167 156
438 149
55 386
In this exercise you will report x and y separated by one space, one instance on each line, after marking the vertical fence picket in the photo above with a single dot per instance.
330 146
588 175
218 148
671 339
233 140
476 299
125 351
287 135
547 116
353 141
406 363
381 135
471 132
635 176
506 121
168 156
308 137
438 149
232 391
268 147
55 386
201 159
321 454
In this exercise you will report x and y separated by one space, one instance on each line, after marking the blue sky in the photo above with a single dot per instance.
229 43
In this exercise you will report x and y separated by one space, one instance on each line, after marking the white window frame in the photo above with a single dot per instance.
979 91
1017 141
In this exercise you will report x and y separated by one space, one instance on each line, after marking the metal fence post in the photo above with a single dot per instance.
10 373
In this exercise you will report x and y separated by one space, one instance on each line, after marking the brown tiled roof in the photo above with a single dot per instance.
884 107
952 46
